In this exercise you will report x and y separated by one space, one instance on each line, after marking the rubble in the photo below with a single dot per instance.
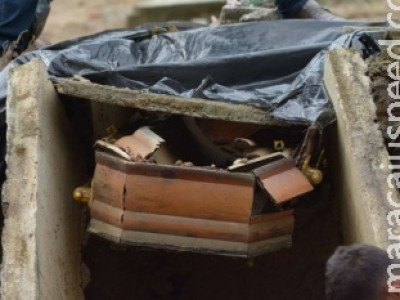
380 79
236 14
142 143
165 11
236 11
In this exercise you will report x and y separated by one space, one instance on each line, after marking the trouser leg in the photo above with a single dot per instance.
289 8
16 16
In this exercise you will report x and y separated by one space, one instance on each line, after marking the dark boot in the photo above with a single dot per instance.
312 10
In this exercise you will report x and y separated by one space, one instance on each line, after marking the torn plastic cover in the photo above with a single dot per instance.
274 65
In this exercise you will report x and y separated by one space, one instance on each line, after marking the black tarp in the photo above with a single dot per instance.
274 65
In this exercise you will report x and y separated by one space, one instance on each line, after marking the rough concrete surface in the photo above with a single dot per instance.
41 235
173 10
164 103
362 159
380 80
231 14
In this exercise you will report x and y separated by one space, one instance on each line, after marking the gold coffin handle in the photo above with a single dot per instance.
314 175
82 194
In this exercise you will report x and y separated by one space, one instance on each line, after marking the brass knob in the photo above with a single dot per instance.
82 194
314 175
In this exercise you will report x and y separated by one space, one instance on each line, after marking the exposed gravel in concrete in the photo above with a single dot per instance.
377 71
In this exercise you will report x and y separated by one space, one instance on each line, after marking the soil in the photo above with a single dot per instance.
377 71
74 18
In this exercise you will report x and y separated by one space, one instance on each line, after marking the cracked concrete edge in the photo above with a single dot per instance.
362 159
40 235
192 107
19 266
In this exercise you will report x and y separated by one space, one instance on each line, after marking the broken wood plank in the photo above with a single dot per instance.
194 107
143 142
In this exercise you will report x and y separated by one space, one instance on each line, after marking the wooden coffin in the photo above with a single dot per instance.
187 209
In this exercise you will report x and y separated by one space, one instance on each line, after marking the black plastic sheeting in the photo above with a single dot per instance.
275 65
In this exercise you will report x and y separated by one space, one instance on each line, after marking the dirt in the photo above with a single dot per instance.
376 10
377 71
74 18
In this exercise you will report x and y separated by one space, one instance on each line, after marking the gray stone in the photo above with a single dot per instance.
236 14
361 159
174 10
42 230
192 107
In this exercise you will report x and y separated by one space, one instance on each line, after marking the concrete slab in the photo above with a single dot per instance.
362 159
173 10
165 103
42 232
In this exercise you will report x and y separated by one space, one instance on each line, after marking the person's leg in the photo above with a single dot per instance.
290 8
16 16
